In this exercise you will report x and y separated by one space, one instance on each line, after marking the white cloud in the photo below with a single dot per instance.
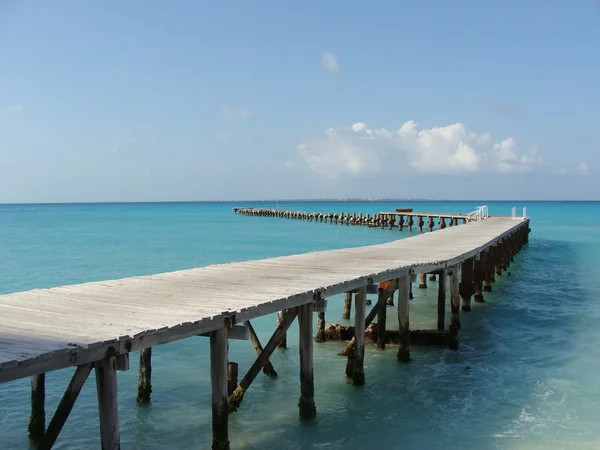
229 113
360 149
17 108
122 143
330 62
583 168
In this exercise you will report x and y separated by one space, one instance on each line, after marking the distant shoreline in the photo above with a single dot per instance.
323 200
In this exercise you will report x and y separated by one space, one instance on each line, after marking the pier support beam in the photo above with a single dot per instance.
236 398
382 318
466 287
232 377
441 303
432 277
403 322
455 308
283 342
268 368
358 372
65 406
347 305
219 382
488 269
306 404
478 279
145 376
37 420
108 408
422 281
320 327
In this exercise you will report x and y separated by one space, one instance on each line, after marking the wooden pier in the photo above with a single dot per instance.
97 325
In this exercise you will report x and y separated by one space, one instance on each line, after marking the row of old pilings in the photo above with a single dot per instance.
381 220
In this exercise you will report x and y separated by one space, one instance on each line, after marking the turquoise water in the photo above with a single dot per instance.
532 348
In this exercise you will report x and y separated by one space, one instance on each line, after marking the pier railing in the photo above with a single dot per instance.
481 213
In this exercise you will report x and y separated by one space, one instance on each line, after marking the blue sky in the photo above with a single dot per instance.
195 100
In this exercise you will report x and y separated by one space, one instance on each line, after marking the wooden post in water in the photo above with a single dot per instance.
422 281
283 342
403 322
478 278
37 420
488 269
232 377
466 287
400 222
441 304
358 374
219 384
347 305
420 222
306 404
455 309
430 223
381 318
321 327
145 376
432 277
108 408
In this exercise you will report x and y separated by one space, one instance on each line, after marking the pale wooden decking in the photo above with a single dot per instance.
48 329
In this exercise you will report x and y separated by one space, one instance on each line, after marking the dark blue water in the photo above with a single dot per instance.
531 347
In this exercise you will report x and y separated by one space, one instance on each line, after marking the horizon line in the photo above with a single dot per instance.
332 199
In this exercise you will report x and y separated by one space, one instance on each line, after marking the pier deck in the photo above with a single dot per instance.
49 329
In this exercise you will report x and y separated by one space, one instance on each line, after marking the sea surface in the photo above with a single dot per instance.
532 348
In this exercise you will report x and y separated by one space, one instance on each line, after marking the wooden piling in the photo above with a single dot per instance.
430 223
37 419
466 287
283 342
403 321
232 377
478 278
108 408
145 376
381 319
219 384
454 328
347 305
432 277
441 304
320 327
422 281
306 404
488 270
358 375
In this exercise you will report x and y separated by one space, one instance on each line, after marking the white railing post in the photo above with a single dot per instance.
524 211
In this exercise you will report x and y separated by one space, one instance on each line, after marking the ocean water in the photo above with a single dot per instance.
531 348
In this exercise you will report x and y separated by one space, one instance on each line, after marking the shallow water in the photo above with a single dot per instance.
531 347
